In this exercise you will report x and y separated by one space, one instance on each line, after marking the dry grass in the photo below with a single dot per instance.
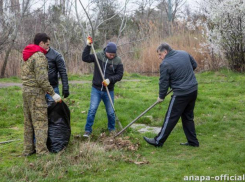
139 56
142 57
80 157
84 155
190 42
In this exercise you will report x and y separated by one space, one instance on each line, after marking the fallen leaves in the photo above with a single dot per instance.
111 143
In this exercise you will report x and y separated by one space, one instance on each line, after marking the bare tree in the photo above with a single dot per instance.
4 36
99 18
124 19
171 7
146 9
25 5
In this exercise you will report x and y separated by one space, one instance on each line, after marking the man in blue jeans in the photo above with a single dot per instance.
112 69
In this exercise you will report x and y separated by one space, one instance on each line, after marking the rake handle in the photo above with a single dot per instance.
149 108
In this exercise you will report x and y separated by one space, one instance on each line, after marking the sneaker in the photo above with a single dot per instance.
86 134
112 133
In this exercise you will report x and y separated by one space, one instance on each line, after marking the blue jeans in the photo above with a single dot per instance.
96 96
49 97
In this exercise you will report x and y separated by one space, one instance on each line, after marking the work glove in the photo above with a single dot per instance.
89 41
159 99
56 97
106 82
65 93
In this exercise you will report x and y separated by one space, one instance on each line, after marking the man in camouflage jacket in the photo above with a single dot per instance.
34 75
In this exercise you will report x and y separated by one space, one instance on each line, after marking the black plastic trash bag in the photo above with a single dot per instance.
59 129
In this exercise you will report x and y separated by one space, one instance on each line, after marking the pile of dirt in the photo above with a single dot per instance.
111 143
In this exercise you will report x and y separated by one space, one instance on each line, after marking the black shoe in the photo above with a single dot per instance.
28 154
187 144
153 142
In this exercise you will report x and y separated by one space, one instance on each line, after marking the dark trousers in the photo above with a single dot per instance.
180 106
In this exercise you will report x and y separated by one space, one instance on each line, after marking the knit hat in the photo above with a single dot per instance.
111 47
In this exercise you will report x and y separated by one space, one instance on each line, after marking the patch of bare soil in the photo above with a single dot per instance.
110 143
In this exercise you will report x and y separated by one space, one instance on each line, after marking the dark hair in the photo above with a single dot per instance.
39 37
164 46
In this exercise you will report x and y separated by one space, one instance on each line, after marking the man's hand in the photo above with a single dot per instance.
65 93
89 41
159 99
56 97
106 82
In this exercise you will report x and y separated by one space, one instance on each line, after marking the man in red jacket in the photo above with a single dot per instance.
34 75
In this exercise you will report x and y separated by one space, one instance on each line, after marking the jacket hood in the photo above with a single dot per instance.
32 49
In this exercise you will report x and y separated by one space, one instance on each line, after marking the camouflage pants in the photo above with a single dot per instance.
35 122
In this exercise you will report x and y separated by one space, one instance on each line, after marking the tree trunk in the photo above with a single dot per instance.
1 8
6 59
13 39
14 6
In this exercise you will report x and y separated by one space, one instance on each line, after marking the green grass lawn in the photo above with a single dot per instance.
219 118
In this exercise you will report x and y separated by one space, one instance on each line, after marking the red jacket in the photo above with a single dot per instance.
31 49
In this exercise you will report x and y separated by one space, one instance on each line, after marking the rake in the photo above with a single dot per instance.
149 108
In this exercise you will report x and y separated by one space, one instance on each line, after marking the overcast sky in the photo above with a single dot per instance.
193 4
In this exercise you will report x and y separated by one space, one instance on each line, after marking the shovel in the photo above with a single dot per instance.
140 115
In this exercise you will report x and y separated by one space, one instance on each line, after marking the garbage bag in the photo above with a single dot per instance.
59 129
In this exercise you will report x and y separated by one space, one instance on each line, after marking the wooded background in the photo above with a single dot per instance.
212 31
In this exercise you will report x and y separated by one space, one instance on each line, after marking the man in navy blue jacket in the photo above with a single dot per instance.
177 72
